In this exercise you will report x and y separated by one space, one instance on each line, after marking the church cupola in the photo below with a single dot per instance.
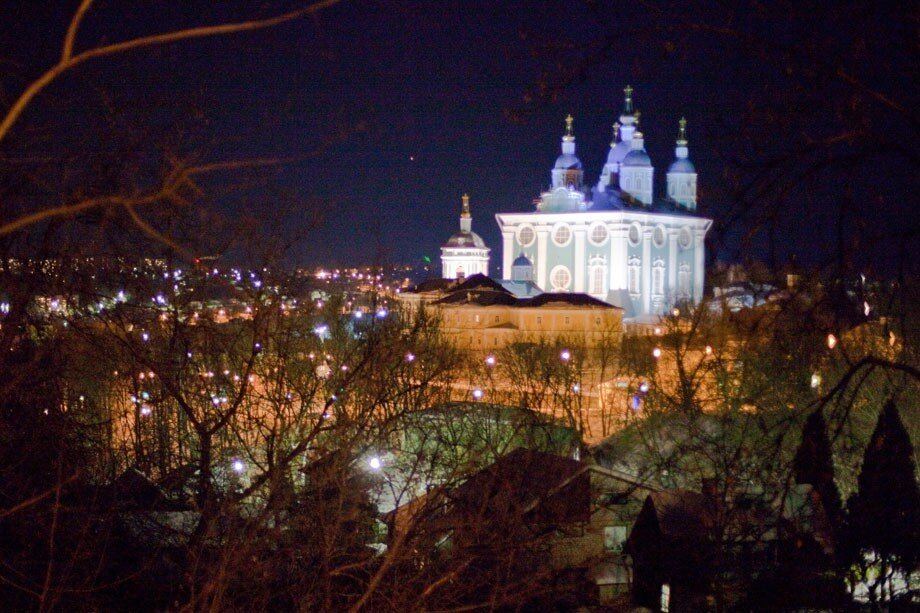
522 268
636 172
682 173
629 118
465 254
567 171
620 146
466 220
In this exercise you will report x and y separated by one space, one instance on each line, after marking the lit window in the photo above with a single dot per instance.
614 538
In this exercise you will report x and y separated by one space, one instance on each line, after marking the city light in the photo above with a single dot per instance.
238 466
656 352
490 360
831 341
566 355
477 393
374 463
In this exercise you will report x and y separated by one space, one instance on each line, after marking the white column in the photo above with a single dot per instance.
507 254
542 235
580 259
672 264
699 256
618 256
646 270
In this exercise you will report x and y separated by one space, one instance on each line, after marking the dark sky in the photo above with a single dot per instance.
398 108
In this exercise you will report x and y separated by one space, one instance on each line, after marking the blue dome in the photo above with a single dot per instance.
568 161
637 157
682 165
522 260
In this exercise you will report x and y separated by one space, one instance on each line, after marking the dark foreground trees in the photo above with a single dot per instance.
884 514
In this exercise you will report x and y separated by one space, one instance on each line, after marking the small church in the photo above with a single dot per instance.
616 242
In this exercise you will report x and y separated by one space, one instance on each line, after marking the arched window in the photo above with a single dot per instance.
597 275
658 278
634 270
683 280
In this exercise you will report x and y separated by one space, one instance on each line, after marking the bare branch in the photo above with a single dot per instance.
67 52
69 61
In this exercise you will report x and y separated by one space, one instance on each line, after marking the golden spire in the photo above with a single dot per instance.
616 134
466 206
682 132
628 105
569 134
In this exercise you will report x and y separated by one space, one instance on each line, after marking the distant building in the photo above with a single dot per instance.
617 242
480 313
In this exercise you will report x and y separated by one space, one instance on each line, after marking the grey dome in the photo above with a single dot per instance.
568 161
682 165
637 157
466 239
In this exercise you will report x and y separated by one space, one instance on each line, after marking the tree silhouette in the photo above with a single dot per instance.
814 464
885 512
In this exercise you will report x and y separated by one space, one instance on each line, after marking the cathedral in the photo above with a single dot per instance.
616 242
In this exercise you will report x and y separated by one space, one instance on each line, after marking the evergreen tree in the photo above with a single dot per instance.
814 465
885 512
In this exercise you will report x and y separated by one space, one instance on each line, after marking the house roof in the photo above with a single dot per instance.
431 285
571 299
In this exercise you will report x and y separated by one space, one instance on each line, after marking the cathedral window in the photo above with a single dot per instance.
597 275
598 235
635 234
659 236
560 279
683 280
634 270
526 236
562 234
658 278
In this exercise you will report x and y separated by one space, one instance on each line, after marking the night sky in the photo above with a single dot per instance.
392 110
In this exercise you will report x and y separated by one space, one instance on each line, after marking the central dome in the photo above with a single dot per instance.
637 157
465 239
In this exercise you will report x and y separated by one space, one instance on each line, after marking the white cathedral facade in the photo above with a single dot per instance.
617 243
